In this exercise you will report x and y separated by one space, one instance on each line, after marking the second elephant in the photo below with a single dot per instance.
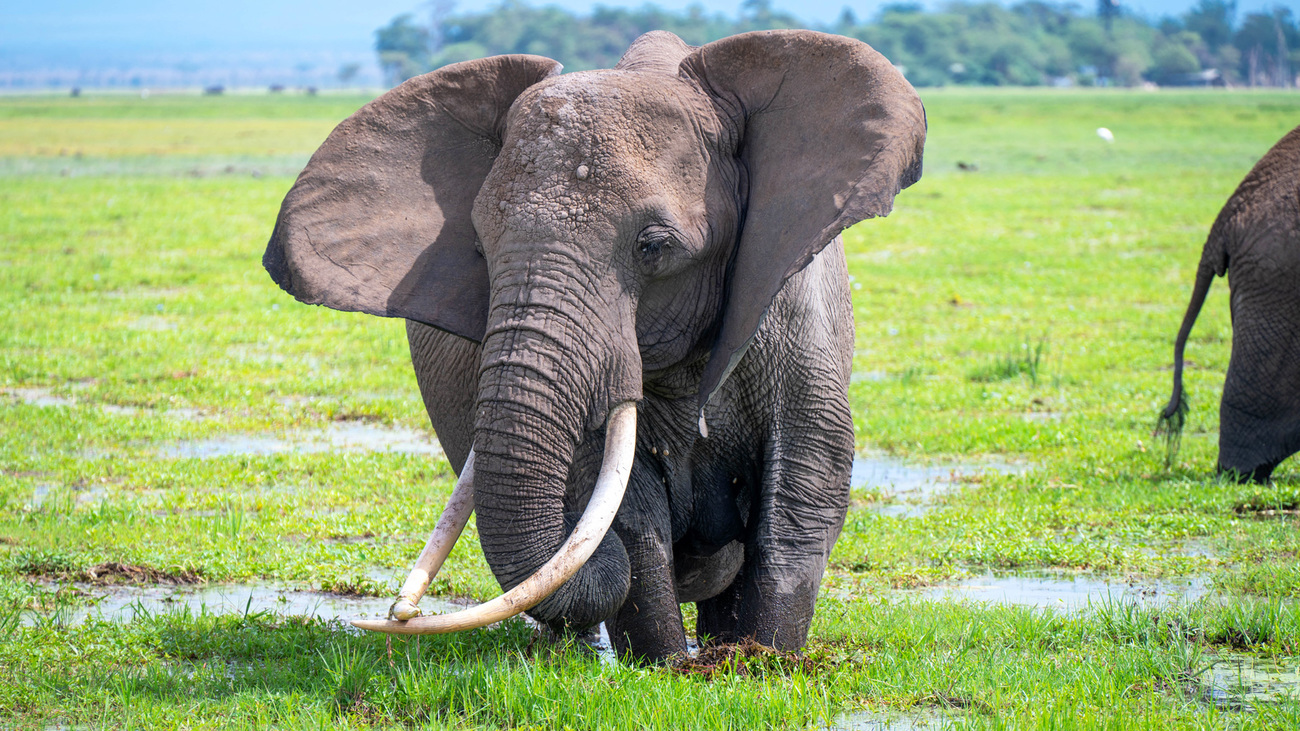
1256 241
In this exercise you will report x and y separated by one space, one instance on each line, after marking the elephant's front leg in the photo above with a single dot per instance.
649 624
799 513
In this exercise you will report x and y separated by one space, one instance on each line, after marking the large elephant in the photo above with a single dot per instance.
664 234
1256 241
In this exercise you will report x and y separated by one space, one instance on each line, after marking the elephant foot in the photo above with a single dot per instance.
1259 475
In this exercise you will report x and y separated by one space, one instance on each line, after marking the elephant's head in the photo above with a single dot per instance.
592 230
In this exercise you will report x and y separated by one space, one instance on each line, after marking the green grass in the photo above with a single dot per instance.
1023 313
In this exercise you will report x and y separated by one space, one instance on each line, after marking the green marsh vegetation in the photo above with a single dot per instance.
170 419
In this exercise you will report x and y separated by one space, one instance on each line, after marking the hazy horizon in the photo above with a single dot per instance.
297 42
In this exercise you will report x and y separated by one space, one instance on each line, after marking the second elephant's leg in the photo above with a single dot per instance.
719 616
1259 416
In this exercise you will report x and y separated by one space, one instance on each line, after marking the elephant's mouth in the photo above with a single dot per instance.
620 448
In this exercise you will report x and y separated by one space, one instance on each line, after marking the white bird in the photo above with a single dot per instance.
1105 134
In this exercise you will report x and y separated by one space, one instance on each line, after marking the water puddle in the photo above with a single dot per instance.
127 603
1240 681
910 490
37 397
884 721
1069 593
46 493
346 435
46 398
1189 548
868 377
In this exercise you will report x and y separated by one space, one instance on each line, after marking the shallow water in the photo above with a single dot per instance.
1236 682
882 721
1069 593
344 435
44 397
37 397
911 490
127 602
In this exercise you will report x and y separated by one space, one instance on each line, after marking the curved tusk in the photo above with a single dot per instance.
620 449
441 541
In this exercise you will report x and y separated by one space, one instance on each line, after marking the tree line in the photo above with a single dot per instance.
1026 44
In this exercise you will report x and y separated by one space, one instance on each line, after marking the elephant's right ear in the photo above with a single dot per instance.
379 220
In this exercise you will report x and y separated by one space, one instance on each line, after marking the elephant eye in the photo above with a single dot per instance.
653 242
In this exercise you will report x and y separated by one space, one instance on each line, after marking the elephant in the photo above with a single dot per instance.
1256 241
628 312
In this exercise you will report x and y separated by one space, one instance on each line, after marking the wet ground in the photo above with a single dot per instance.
910 490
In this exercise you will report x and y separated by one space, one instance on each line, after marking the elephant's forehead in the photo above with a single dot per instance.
616 124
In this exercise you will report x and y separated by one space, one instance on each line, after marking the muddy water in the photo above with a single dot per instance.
121 604
1239 681
1069 593
911 490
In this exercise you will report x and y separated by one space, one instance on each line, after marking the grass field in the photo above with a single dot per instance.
169 418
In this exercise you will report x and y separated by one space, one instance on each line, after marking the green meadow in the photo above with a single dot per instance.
170 421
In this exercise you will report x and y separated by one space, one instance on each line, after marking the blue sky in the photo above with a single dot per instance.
91 27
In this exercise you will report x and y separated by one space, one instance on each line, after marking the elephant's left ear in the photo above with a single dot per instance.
380 219
829 133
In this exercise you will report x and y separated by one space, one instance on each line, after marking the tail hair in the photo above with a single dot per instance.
1170 426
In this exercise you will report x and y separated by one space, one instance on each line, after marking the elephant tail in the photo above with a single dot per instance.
1174 416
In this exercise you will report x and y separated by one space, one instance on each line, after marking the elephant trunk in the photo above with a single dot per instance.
550 377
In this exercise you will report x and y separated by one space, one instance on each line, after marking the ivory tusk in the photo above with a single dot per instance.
441 541
620 449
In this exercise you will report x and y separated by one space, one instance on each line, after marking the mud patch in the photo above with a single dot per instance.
1068 593
746 659
908 490
339 436
1239 682
59 567
113 573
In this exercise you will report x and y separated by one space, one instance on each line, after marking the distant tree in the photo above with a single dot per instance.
1108 10
1265 40
985 42
348 72
403 49
1175 56
1212 21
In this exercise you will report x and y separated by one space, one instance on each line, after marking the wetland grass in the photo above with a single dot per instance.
138 319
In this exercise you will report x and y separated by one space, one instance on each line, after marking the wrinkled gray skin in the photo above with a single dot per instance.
610 225
1256 241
